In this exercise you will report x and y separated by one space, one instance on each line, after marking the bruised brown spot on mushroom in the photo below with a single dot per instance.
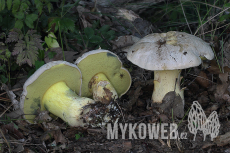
160 43
91 82
121 75
107 98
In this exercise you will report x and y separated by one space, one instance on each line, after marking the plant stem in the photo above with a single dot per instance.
61 41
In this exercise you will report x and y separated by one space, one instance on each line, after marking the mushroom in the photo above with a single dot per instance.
166 54
103 76
53 87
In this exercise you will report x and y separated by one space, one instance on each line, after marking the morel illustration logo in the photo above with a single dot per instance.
197 120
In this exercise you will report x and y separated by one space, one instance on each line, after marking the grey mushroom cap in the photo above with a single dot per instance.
169 51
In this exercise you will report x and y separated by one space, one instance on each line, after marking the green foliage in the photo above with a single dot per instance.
3 74
185 14
78 136
95 36
26 24
65 24
26 47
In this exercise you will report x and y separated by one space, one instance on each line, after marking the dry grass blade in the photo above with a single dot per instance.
211 19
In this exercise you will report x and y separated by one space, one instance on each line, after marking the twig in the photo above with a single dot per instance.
5 140
11 90
214 29
6 110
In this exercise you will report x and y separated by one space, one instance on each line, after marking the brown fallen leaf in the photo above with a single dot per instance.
202 79
127 145
171 104
134 94
214 68
124 41
11 129
163 117
222 87
206 145
222 140
59 137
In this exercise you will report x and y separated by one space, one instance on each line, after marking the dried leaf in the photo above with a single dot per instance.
10 128
221 89
223 140
202 79
59 137
214 68
124 41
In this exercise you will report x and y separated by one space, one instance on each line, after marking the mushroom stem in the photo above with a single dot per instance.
61 101
164 82
102 89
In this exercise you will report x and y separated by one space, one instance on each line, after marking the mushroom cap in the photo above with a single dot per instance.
106 62
169 51
38 83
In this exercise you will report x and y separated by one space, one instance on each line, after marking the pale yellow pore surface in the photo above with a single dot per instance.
164 82
61 101
35 91
108 64
102 89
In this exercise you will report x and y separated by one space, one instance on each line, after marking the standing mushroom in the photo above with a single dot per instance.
53 87
166 54
103 76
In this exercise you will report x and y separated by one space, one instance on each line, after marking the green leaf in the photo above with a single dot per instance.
95 39
227 5
49 6
19 15
16 5
89 32
18 24
51 54
3 79
111 32
2 5
8 53
7 23
3 58
39 6
38 64
9 4
3 68
104 28
77 136
24 6
44 20
224 17
30 18
31 72
66 24
51 42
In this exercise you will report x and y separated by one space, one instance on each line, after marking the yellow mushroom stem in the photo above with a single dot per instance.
61 101
102 89
164 82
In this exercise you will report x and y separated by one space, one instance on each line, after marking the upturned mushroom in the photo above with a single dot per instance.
166 54
103 76
55 87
